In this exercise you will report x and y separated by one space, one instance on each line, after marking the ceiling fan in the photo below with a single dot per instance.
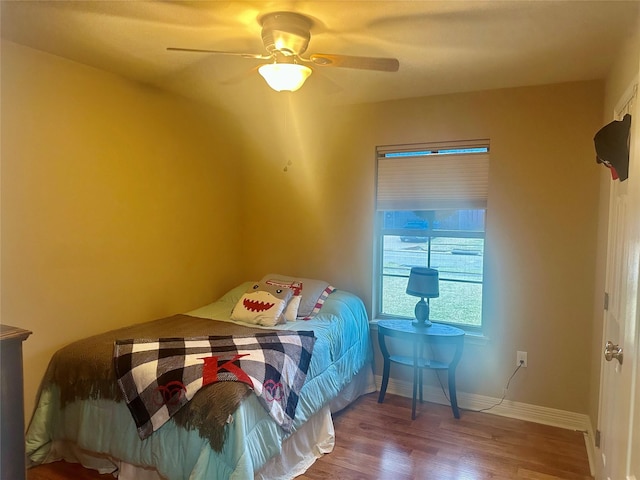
286 36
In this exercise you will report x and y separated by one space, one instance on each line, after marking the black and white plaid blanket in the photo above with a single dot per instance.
157 377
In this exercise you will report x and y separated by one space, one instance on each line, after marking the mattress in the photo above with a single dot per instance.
103 428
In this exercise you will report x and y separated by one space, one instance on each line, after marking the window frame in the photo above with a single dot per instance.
430 232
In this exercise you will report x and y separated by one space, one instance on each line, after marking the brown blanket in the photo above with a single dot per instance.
84 369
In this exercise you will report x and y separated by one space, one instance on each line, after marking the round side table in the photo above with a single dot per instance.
437 333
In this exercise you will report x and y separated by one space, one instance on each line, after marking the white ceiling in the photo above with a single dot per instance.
443 46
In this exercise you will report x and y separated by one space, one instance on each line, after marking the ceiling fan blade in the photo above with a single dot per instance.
348 61
218 52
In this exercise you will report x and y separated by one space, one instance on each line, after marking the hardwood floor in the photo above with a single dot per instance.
380 441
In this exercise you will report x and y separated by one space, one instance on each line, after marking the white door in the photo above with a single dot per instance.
619 416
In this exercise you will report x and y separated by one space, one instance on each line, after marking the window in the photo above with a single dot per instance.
431 205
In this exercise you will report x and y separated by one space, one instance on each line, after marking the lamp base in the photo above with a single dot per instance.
422 314
419 324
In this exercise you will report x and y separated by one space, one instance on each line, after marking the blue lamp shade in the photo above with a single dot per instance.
423 283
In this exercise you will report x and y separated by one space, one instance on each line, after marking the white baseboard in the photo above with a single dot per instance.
508 408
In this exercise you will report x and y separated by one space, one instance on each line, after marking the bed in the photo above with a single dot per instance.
97 428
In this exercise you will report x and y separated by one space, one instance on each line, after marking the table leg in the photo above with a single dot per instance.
452 377
385 380
452 392
416 368
421 371
385 369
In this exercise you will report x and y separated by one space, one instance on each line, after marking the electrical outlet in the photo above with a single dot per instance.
521 358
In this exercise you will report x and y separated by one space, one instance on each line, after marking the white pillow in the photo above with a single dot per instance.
291 312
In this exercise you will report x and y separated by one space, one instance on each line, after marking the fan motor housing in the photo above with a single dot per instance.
286 32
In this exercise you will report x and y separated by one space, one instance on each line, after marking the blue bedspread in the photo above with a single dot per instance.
343 347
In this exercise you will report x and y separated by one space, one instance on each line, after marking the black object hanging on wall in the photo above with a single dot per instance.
612 147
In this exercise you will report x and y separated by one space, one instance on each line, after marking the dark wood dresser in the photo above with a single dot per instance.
12 458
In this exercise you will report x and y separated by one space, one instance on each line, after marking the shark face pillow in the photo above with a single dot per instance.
262 304
291 310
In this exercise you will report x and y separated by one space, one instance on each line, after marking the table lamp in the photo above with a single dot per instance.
423 283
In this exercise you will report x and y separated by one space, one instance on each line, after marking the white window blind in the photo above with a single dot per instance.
451 175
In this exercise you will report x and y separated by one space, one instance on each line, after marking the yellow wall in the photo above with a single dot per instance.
316 219
119 203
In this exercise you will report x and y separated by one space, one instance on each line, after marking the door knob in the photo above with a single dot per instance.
612 351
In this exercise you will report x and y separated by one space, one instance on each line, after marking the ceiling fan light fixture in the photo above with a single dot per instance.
284 76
